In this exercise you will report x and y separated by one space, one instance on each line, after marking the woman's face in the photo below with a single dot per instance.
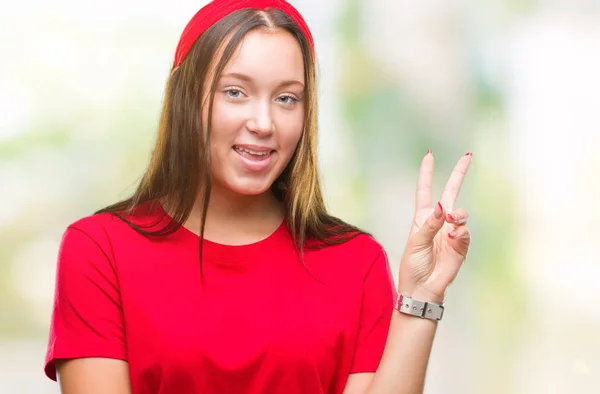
258 112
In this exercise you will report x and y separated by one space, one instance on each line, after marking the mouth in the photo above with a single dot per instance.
255 159
253 153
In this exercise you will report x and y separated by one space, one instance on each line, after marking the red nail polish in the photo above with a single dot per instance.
450 236
451 217
438 211
469 154
429 152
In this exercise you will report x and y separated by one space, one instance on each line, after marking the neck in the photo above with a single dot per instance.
237 219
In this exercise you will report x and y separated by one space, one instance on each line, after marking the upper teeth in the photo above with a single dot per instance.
252 152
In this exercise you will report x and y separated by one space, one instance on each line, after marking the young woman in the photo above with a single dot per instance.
224 273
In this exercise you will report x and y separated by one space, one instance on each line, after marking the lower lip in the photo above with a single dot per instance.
254 163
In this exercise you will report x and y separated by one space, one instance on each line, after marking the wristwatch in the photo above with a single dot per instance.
427 310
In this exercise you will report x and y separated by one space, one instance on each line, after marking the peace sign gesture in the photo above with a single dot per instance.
439 238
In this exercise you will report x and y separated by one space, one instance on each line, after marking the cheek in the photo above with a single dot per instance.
293 143
225 125
290 136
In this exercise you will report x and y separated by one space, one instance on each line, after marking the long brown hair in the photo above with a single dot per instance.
180 162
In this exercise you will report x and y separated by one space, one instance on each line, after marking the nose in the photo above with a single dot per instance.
261 121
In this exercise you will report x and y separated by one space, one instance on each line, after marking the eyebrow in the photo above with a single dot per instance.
247 78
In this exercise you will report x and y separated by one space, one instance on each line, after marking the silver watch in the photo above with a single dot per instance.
428 310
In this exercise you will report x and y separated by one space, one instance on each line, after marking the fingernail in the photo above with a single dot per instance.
469 154
452 219
429 152
437 212
452 234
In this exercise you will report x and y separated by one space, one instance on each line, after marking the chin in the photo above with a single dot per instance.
249 187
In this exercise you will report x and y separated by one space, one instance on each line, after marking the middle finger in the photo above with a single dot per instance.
450 193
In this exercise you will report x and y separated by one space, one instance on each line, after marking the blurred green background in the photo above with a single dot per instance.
514 82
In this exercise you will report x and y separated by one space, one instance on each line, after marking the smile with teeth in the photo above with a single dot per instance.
251 152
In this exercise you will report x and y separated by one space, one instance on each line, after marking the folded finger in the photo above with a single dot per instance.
458 217
460 232
460 240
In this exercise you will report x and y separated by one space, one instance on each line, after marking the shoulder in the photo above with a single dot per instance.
89 239
148 216
100 228
358 254
367 249
97 225
105 230
364 245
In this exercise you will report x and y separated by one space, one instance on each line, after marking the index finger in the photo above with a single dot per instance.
425 182
452 188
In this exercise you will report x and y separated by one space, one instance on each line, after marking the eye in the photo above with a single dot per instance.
287 99
234 93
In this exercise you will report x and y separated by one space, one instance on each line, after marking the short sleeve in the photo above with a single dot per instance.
87 316
377 305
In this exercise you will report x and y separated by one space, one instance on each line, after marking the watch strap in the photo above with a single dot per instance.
427 310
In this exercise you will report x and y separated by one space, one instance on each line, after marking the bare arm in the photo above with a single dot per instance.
93 376
404 362
435 251
87 349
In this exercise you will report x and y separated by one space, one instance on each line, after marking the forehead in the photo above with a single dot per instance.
268 55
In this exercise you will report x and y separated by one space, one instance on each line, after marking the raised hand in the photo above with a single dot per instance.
439 239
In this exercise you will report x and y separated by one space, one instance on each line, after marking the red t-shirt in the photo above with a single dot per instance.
260 323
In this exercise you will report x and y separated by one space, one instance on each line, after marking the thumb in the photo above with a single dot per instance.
432 225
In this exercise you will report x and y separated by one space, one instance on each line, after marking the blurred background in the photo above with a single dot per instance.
514 81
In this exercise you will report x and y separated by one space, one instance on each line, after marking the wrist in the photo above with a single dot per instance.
421 294
415 307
